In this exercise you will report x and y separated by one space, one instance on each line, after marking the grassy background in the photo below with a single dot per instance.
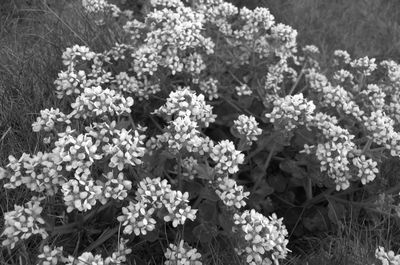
33 35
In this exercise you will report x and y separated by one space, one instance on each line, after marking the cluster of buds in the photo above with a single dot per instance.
51 256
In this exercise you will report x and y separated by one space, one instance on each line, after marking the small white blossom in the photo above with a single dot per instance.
182 254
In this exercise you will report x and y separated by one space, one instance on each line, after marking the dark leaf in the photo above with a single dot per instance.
208 211
278 182
204 233
336 212
291 167
317 219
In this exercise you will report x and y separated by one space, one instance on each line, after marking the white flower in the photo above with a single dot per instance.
23 222
226 157
182 254
264 238
231 193
247 127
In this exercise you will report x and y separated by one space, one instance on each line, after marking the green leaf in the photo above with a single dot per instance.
291 167
205 171
205 233
209 194
208 211
278 182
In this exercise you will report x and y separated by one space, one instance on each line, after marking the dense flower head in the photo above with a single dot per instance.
286 37
153 195
152 191
290 112
247 127
365 65
184 102
387 257
218 14
226 157
51 256
76 152
125 148
367 168
189 165
70 82
81 195
116 187
166 3
259 19
85 258
334 149
23 222
98 102
243 90
375 95
48 120
341 57
264 238
94 6
231 193
380 127
342 76
182 254
176 204
72 54
210 88
137 218
39 172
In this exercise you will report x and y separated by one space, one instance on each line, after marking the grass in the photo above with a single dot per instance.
33 36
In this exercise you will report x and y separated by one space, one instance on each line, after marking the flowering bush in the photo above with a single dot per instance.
204 125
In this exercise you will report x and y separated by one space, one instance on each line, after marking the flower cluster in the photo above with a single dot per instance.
51 256
47 120
247 127
151 195
264 237
184 102
387 258
231 193
98 102
81 195
367 169
182 254
226 157
290 112
333 153
39 172
243 90
364 65
210 88
23 222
